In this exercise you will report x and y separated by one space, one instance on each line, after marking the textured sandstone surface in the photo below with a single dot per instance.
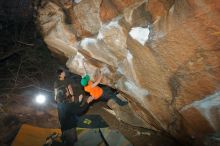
171 78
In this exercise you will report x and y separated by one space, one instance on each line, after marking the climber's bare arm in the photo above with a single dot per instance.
80 98
70 89
97 81
55 94
90 99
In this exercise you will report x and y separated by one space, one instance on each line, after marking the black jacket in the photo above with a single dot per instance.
68 114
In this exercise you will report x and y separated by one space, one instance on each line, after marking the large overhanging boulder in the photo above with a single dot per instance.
162 55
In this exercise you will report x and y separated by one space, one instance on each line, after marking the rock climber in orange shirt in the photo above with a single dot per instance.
97 92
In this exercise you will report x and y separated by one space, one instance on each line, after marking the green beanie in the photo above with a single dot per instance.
84 82
85 79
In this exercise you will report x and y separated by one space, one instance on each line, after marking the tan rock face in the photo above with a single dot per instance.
87 14
58 35
171 77
122 4
107 10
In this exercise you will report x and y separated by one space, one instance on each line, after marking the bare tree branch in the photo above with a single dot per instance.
25 43
9 54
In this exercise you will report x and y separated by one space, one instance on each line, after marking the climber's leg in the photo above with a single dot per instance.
69 137
108 93
61 114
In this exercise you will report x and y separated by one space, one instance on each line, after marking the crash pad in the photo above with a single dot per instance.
91 121
32 136
35 136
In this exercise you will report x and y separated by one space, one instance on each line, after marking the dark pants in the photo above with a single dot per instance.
108 93
61 108
61 113
69 136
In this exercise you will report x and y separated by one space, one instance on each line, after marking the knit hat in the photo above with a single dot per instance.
85 79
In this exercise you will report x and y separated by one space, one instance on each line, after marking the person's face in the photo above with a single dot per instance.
62 75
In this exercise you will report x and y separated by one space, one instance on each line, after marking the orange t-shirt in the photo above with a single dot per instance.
96 92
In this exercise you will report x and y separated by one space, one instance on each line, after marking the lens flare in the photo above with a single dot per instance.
40 99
